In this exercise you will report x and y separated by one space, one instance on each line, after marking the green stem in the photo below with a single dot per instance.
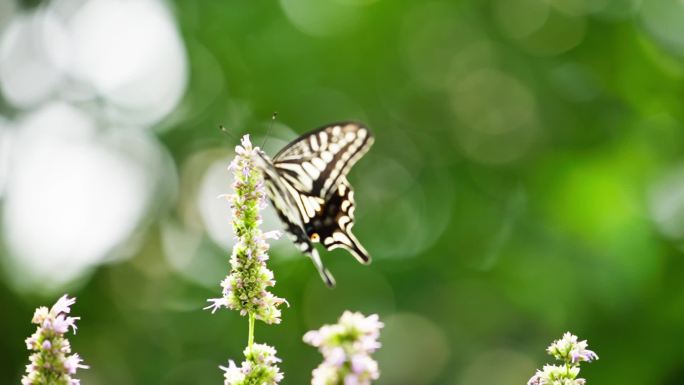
250 339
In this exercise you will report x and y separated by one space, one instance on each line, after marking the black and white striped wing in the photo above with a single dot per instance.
316 166
307 184
333 221
285 200
315 162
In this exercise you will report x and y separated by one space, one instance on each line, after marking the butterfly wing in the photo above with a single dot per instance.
283 197
315 162
316 165
333 222
307 185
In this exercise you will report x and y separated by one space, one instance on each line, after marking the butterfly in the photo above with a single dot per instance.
307 185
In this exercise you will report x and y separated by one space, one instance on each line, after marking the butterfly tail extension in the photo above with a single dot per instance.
325 274
347 240
357 250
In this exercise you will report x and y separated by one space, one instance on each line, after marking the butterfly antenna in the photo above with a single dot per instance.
270 126
224 130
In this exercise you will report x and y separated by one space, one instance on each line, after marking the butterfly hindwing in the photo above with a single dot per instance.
333 222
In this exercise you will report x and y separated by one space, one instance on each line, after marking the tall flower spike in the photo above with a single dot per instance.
245 289
52 362
572 352
346 348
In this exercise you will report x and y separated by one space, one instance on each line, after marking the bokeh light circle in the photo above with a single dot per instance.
32 55
561 32
511 367
520 18
617 9
215 209
190 255
321 17
664 20
498 116
6 138
140 69
354 283
74 195
666 203
413 224
414 350
8 9
576 82
433 35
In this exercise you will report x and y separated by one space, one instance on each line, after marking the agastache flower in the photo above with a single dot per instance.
245 289
572 352
346 348
569 349
51 363
260 367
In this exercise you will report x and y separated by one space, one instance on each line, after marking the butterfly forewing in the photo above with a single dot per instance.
315 162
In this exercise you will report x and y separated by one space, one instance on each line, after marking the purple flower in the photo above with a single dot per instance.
346 348
216 303
580 353
31 342
352 379
63 305
361 363
73 363
51 357
572 352
336 357
246 287
535 380
232 373
61 324
325 375
260 367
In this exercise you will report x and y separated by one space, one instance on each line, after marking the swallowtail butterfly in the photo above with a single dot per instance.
307 184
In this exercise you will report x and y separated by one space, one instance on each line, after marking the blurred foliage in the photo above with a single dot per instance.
523 151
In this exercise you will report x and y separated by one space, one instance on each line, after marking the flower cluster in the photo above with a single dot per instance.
346 348
260 367
52 363
246 287
572 353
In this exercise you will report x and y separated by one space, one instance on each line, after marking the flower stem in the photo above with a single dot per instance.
250 339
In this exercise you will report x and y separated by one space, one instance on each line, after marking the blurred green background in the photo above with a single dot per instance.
527 179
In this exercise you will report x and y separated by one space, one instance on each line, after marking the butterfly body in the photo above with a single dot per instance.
307 185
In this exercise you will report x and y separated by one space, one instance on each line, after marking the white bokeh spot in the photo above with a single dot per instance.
142 68
73 195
